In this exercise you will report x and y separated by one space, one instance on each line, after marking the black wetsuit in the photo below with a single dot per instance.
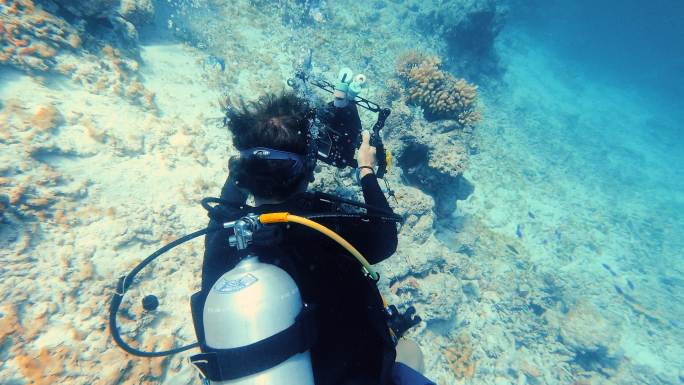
353 345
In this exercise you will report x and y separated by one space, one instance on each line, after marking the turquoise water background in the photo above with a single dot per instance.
595 91
587 129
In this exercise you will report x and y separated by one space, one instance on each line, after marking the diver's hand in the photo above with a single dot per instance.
365 155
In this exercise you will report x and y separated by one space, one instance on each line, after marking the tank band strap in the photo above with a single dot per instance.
230 364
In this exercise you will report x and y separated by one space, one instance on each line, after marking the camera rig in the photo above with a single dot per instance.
337 141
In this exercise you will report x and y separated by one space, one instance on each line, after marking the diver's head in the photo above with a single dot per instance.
272 135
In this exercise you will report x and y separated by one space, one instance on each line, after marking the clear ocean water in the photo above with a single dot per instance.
591 126
564 264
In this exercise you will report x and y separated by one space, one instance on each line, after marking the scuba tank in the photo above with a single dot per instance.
255 329
248 304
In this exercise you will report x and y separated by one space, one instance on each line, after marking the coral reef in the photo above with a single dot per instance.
90 184
38 42
30 38
432 155
441 95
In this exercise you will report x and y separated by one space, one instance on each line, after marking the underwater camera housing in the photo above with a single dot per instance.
339 134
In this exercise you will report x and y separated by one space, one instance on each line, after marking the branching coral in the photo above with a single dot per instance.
440 94
30 37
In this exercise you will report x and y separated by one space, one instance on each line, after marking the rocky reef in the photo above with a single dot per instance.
469 29
42 42
115 20
31 38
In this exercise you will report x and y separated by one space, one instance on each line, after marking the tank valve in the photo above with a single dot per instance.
243 231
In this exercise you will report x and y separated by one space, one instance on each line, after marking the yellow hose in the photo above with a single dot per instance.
282 217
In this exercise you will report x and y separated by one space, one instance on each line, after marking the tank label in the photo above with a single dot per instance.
233 285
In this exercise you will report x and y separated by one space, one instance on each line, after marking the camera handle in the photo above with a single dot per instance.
376 141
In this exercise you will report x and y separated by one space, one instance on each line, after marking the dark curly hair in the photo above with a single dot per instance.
277 121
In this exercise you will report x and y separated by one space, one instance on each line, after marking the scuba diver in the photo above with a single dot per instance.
353 343
288 293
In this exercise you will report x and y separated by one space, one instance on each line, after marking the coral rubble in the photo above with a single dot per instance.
441 95
40 43
30 38
459 358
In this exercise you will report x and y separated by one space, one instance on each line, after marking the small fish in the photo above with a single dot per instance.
308 60
619 291
609 269
512 249
529 214
630 284
629 298
518 231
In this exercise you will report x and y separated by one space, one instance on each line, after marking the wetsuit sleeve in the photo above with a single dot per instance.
375 239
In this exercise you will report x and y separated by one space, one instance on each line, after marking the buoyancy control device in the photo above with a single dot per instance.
252 326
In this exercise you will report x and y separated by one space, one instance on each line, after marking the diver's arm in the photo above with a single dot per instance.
372 193
380 236
375 239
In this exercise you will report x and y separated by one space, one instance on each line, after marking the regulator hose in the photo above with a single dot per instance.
287 217
125 282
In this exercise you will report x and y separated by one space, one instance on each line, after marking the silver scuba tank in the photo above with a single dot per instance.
249 303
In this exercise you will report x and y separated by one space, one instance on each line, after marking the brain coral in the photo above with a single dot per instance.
31 37
441 95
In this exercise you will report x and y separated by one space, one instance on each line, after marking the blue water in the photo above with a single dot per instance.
629 44
604 89
591 123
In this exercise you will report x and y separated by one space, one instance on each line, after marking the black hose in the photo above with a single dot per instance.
124 284
353 216
389 213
